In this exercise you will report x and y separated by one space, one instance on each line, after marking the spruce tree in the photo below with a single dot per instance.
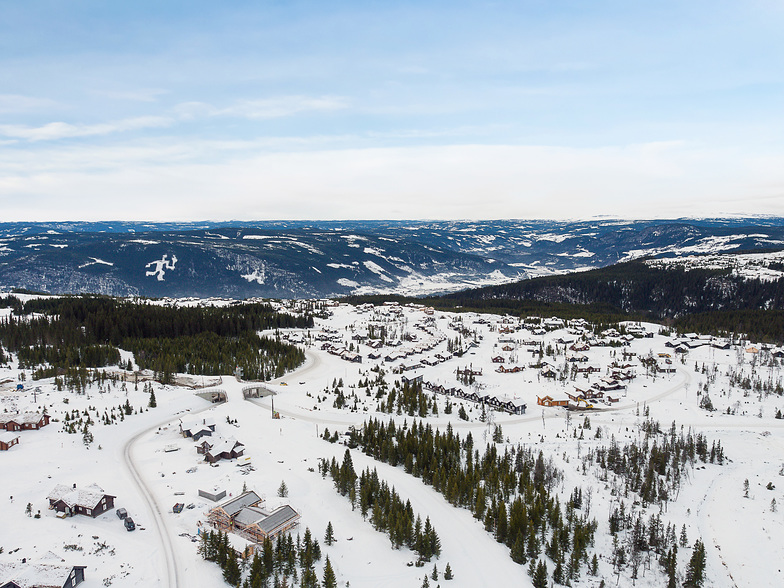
518 550
329 535
695 572
329 580
448 572
540 575
231 570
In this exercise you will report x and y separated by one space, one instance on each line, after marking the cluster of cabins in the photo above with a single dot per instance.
212 448
342 352
512 406
12 423
50 571
246 516
582 398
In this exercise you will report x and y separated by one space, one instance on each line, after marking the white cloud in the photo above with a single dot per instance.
267 108
61 130
135 95
168 182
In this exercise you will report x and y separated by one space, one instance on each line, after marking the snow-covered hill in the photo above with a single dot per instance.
317 259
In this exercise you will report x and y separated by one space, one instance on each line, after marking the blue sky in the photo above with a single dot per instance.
271 110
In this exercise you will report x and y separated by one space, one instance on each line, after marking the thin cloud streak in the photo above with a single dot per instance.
61 130
278 107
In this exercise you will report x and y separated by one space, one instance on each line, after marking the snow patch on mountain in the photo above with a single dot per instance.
378 270
767 266
95 261
258 275
160 266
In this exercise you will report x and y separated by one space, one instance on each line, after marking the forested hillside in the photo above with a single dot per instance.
702 300
636 287
54 334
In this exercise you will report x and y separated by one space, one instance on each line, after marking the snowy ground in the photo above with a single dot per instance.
742 535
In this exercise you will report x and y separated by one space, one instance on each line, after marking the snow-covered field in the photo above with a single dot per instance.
744 537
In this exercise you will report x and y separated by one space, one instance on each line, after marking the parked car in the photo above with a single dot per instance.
121 513
129 524
177 508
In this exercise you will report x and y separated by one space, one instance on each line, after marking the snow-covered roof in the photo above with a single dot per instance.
278 518
87 497
23 418
249 515
235 505
49 572
8 436
223 445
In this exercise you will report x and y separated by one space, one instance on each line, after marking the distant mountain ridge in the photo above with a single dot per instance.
306 259
640 287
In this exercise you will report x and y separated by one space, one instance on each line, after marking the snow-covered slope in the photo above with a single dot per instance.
318 259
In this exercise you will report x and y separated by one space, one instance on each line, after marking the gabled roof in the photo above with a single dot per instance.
50 571
87 497
224 446
21 418
278 518
8 436
235 505
250 515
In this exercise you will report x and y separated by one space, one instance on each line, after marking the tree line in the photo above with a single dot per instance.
510 492
87 331
388 513
281 563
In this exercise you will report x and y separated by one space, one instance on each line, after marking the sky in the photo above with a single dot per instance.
265 110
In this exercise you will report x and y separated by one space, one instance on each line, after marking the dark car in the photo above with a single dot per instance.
129 524
121 513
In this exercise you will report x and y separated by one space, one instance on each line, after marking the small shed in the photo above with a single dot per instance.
214 495
8 440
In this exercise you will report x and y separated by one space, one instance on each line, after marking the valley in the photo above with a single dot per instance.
647 388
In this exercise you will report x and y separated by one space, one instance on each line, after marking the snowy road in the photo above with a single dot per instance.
172 569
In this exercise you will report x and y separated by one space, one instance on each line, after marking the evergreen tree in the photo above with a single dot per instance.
231 570
283 490
498 434
539 579
695 572
448 572
152 403
518 550
329 535
87 436
329 580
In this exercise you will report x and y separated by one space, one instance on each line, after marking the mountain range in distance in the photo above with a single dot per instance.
317 259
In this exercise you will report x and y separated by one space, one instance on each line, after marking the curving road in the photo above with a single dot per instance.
173 572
